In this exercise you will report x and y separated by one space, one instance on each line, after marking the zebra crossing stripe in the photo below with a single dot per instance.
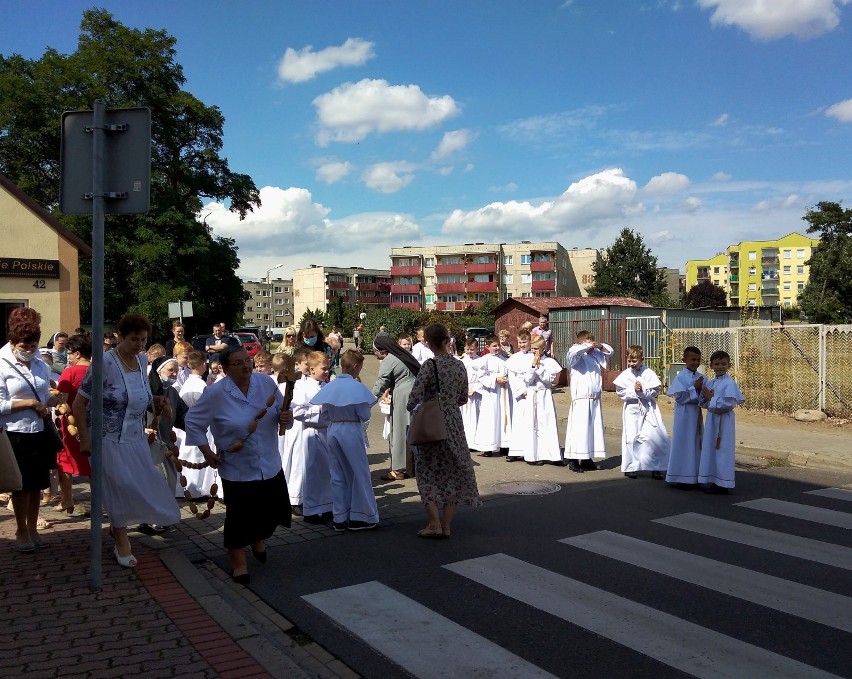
421 641
803 601
794 510
835 493
666 638
762 538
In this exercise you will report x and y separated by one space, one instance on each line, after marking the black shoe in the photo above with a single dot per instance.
487 453
540 463
339 527
658 476
260 556
560 463
686 486
713 489
588 465
631 475
297 510
512 458
360 525
243 579
574 466
315 519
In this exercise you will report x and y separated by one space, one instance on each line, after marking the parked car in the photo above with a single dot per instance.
479 334
249 341
198 342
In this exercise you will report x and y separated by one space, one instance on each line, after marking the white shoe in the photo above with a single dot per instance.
128 561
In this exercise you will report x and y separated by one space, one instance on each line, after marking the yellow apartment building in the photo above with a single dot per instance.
758 273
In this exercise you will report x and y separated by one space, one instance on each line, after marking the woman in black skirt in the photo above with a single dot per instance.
244 412
25 399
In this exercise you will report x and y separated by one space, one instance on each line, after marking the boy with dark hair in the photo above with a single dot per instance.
719 397
688 426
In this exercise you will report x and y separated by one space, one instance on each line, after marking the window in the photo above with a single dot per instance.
429 261
430 299
752 287
451 260
279 301
543 257
430 280
787 270
544 276
787 302
752 271
482 259
265 317
752 302
716 270
752 255
407 299
800 285
526 294
800 269
526 259
276 289
286 312
507 279
508 260
786 285
526 277
286 289
279 313
800 253
788 254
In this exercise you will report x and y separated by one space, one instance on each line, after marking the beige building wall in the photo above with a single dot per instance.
29 233
315 285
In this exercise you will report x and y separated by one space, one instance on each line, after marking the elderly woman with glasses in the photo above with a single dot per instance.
288 342
244 412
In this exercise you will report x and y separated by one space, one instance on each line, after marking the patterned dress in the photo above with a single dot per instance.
445 470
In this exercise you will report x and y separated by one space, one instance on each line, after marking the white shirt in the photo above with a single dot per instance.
15 387
422 353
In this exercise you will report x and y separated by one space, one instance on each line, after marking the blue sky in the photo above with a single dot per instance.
369 124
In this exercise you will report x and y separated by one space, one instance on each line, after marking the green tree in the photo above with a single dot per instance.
827 298
168 253
705 294
628 269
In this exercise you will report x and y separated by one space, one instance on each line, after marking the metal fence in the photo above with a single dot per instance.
781 369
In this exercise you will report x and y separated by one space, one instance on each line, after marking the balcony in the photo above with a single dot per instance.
331 297
769 276
449 287
490 286
734 264
543 285
735 294
413 306
405 289
769 261
490 267
384 301
367 286
703 275
337 285
735 278
406 270
448 268
542 266
452 306
384 284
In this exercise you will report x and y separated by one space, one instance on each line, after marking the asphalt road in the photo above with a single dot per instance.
392 575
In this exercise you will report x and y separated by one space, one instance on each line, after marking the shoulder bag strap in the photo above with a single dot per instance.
23 377
437 381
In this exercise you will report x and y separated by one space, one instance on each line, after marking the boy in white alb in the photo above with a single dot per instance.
290 444
494 427
688 427
470 410
535 436
421 352
584 436
644 439
346 403
719 397
316 484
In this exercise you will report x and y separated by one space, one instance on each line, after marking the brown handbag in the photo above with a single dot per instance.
10 473
427 422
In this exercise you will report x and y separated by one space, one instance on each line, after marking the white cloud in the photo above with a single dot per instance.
691 205
667 183
352 111
721 176
451 142
722 120
773 19
660 237
511 187
389 177
331 173
306 64
289 222
791 200
602 196
446 171
842 111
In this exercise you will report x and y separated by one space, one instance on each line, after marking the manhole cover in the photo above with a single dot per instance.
525 488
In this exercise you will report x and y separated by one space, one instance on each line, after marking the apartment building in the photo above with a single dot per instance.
270 302
317 286
758 273
455 277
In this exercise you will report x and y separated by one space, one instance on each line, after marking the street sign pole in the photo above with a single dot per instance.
98 202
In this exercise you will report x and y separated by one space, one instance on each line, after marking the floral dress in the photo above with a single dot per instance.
445 470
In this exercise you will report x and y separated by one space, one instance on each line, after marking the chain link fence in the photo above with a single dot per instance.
781 369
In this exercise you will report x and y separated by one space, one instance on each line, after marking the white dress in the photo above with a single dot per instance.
720 437
198 481
584 435
470 410
494 427
535 435
687 430
644 439
133 488
422 353
292 455
316 485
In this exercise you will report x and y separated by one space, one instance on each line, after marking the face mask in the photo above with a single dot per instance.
167 381
24 356
310 341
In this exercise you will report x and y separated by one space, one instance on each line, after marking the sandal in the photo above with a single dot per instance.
42 524
394 475
128 561
430 534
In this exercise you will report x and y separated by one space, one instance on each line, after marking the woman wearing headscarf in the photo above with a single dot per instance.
133 490
396 374
244 412
25 399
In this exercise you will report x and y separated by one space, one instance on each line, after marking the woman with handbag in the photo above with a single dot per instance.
25 402
445 476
